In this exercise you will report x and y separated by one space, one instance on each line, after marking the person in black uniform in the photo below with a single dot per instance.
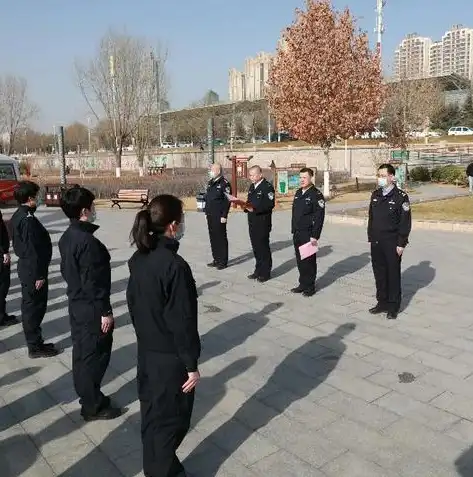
259 206
162 300
85 267
389 226
308 214
32 245
5 262
217 207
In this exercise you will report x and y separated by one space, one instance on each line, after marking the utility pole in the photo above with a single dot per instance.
62 154
89 150
115 110
379 30
157 74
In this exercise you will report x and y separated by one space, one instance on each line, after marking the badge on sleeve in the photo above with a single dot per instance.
270 196
321 203
227 190
406 206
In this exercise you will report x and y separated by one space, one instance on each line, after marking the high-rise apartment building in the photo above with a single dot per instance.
250 84
420 57
411 59
458 51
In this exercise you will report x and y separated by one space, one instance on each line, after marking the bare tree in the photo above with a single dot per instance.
410 106
111 84
16 110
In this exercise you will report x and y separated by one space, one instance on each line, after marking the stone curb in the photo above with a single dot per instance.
445 226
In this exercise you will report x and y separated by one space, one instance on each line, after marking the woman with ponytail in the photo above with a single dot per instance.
162 300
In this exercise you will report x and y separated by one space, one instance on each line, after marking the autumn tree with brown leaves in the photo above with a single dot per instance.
325 83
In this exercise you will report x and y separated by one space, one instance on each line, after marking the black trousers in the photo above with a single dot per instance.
33 308
218 239
91 351
387 274
308 266
165 412
259 228
4 288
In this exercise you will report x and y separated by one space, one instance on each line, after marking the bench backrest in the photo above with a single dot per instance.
132 194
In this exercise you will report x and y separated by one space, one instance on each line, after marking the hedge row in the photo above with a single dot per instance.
450 174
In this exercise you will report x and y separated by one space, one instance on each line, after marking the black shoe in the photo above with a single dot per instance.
43 351
391 315
308 293
263 279
253 276
8 320
221 267
105 414
211 264
378 309
298 289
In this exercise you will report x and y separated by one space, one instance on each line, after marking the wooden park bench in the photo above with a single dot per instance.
135 196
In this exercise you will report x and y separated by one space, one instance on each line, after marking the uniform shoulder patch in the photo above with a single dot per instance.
406 206
227 189
321 203
270 195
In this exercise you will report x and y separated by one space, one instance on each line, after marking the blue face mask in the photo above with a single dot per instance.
181 228
93 216
382 182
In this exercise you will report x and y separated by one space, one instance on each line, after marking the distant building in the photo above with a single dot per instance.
420 57
411 59
250 84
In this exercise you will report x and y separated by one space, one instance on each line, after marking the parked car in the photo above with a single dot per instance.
168 145
374 134
460 131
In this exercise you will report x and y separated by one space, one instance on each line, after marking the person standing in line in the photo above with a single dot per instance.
308 215
85 267
217 207
32 245
469 173
5 262
259 207
389 226
162 300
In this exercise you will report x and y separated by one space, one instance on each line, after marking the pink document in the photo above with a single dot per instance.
307 250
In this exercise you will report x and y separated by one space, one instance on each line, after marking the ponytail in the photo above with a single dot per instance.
140 234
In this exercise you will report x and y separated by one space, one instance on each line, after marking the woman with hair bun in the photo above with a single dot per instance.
162 300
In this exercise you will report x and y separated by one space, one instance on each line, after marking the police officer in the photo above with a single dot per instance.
389 226
32 245
85 267
162 299
5 319
308 214
259 207
217 207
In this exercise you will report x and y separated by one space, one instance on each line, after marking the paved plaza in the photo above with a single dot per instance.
291 386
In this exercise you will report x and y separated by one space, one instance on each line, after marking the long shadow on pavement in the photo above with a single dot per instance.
414 279
298 373
464 463
275 247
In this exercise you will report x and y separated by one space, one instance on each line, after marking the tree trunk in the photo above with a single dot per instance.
118 163
141 161
327 173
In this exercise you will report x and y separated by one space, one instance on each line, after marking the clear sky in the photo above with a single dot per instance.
41 39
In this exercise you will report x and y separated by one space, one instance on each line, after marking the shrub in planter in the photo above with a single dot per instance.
420 174
436 174
452 174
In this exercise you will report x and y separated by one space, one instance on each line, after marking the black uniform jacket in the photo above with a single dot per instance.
4 237
261 199
389 217
216 202
469 170
162 300
31 244
85 267
308 212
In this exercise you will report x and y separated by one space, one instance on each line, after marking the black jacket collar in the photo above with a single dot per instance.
161 241
84 225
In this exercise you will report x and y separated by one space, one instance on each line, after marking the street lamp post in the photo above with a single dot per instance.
157 75
114 109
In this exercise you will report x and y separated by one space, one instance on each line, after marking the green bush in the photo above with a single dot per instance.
420 174
450 174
